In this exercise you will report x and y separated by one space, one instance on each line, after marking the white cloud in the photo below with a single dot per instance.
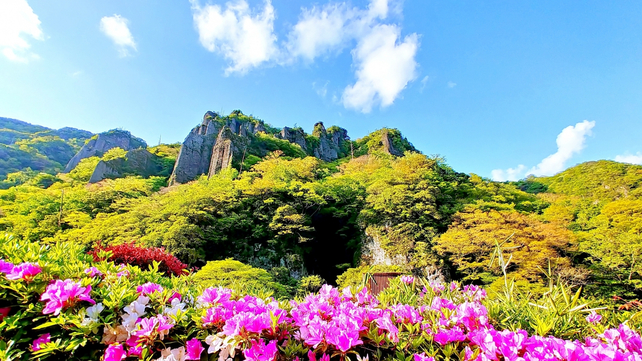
451 84
384 62
570 142
510 174
320 30
630 158
244 37
115 27
384 68
17 19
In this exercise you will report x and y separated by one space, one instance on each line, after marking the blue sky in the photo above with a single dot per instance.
499 88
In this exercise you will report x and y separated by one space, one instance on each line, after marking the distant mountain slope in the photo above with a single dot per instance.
27 147
603 180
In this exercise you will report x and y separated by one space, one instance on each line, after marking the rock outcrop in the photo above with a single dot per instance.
195 157
101 143
136 162
222 142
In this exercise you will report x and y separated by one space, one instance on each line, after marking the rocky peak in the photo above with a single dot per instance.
97 145
294 135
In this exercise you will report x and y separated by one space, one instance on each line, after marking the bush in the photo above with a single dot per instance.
129 253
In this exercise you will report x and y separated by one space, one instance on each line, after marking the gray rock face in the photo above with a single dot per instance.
330 144
218 142
196 155
227 148
388 147
102 143
136 162
296 136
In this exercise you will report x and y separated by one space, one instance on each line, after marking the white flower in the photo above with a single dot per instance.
177 354
94 311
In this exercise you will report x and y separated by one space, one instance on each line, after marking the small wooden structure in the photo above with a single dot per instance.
379 281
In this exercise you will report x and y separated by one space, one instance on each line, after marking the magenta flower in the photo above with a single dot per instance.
152 325
422 357
134 349
175 296
64 294
444 337
215 295
5 267
149 288
37 343
24 271
115 352
194 349
261 352
93 272
407 279
593 317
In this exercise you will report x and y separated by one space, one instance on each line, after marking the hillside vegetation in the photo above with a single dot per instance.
294 215
27 149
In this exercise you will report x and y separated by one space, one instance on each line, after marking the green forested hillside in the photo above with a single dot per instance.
295 215
27 149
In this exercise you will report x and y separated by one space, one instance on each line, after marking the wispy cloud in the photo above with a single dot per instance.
116 28
451 84
571 141
243 36
424 82
630 158
383 60
510 174
321 90
18 22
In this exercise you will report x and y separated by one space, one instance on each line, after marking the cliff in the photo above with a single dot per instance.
239 141
135 162
97 145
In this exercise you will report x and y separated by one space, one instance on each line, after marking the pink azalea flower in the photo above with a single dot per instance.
93 272
407 279
24 271
444 337
64 294
115 352
37 343
175 296
593 317
149 288
134 349
194 349
213 295
5 267
422 357
261 352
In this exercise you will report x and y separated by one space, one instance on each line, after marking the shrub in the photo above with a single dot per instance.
129 253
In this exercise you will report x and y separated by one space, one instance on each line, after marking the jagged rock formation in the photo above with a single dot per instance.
220 142
195 156
101 143
136 162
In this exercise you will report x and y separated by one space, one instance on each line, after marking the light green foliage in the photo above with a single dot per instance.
114 153
240 277
83 171
26 147
615 240
602 180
